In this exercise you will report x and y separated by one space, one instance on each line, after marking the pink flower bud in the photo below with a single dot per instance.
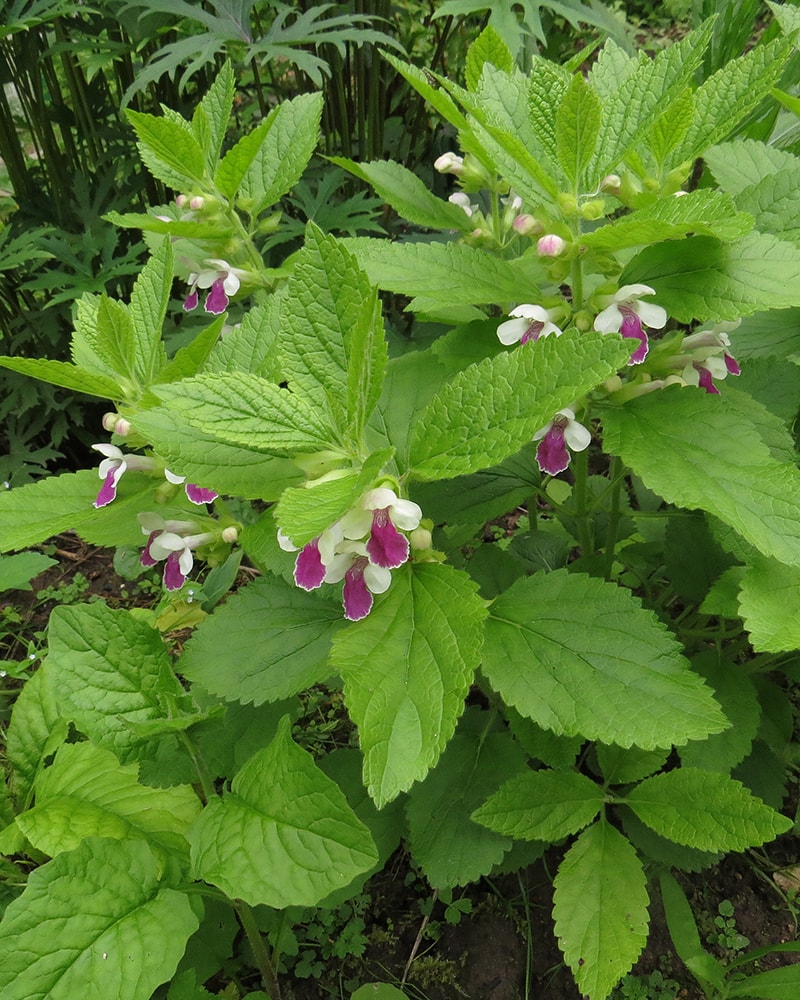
449 163
182 201
197 203
550 246
526 225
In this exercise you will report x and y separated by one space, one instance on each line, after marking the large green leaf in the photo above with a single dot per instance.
701 278
35 731
407 669
694 450
742 164
148 307
706 810
66 375
775 984
600 909
769 602
86 792
577 127
619 678
447 845
268 641
284 835
491 409
169 150
96 922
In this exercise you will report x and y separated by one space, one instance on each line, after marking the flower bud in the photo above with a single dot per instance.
611 184
449 163
550 246
109 421
197 203
182 201
527 225
583 320
593 210
122 427
567 203
230 534
420 539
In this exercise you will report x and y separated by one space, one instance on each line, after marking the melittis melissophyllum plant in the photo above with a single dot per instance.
622 645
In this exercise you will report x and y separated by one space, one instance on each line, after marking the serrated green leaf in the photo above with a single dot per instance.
775 984
95 922
743 163
284 835
16 572
706 810
621 766
662 851
115 338
447 273
247 412
36 730
449 848
237 161
269 640
703 279
490 48
624 681
407 194
407 669
107 667
67 376
600 909
428 88
86 792
168 150
148 307
672 126
548 84
694 450
542 805
730 94
577 127
191 359
774 203
769 602
288 145
490 410
705 212
212 115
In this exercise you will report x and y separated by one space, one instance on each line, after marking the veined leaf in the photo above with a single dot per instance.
706 810
542 805
600 909
624 681
35 731
99 921
284 835
703 279
769 602
438 98
212 115
548 84
695 450
407 669
490 48
67 375
744 163
168 150
577 128
491 409
268 641
148 307
774 203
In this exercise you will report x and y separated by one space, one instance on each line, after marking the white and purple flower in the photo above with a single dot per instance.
709 358
557 438
112 468
172 542
628 315
362 578
196 494
222 281
529 322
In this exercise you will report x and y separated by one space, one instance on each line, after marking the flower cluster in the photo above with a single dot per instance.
117 462
361 548
708 357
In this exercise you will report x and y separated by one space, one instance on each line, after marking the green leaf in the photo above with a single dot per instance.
542 805
268 641
775 984
729 95
148 307
115 338
433 94
742 164
701 278
248 412
577 128
600 909
191 358
378 991
446 844
769 602
774 203
685 937
694 450
705 212
488 47
95 922
490 410
212 115
407 669
620 766
36 730
705 809
672 126
16 572
66 375
407 194
237 161
288 145
623 681
450 273
284 835
169 150
109 668
547 87
86 792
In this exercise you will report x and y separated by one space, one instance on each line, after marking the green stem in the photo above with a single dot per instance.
247 918
206 784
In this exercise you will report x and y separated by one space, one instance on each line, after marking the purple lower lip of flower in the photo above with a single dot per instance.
309 569
146 559
108 490
216 300
533 332
386 546
732 364
356 596
173 576
552 455
632 328
190 302
705 379
199 495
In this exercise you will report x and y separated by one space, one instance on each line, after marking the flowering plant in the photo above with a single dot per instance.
620 640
